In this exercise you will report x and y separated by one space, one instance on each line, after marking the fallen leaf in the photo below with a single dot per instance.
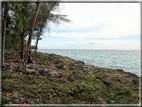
117 97
44 76
97 79
50 89
8 94
20 102
93 102
113 101
4 94
83 102
48 101
14 98
112 93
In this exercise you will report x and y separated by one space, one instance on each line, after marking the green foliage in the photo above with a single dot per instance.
88 90
5 101
61 81
7 76
13 102
6 88
64 101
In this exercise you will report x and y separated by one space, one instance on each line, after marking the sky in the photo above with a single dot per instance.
104 26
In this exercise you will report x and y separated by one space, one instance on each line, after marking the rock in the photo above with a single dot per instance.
31 71
17 97
13 67
79 87
22 99
30 101
66 67
54 73
44 72
135 81
21 68
71 78
106 82
132 75
85 69
90 66
116 79
30 66
78 65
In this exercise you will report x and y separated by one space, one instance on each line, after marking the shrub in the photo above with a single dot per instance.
7 76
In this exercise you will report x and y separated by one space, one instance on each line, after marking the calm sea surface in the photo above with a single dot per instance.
128 60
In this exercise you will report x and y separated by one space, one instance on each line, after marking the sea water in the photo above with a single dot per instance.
128 60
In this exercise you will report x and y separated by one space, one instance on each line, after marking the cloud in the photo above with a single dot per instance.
93 21
46 45
88 15
104 20
102 44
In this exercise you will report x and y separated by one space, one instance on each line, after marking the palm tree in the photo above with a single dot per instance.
4 29
45 16
28 55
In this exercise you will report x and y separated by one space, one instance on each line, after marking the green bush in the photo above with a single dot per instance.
4 101
7 76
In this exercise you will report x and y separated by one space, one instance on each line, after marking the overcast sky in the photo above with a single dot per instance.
96 26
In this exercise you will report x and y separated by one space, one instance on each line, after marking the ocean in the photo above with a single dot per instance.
128 60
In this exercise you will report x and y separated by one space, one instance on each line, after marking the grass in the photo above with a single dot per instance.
7 76
119 93
5 101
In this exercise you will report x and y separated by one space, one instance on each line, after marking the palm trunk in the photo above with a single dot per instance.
23 44
20 48
4 31
36 44
29 52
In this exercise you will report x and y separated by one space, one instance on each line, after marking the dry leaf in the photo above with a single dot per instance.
48 101
50 89
8 94
112 93
113 101
44 76
83 102
93 102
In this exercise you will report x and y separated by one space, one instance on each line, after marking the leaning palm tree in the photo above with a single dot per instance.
5 5
45 16
28 54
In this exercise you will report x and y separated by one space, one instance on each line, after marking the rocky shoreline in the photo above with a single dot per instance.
56 79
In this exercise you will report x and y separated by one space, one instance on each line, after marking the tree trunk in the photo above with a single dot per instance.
36 44
23 44
29 52
4 31
20 48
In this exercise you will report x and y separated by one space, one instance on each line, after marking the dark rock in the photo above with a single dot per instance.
79 86
116 79
30 66
106 82
135 81
120 70
85 69
13 67
132 75
90 66
70 78
44 71
30 101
